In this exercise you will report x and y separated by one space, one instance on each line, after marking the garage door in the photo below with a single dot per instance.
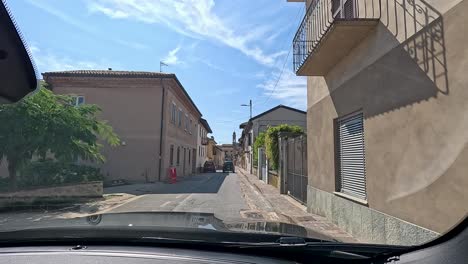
351 156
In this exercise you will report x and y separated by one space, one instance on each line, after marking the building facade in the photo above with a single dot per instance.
387 112
202 143
278 115
151 112
218 157
228 150
210 149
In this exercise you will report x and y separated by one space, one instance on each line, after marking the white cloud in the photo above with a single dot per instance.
83 26
291 89
194 18
171 58
46 61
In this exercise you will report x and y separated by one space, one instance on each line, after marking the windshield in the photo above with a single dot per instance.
333 120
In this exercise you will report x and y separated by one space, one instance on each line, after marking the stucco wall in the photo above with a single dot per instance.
416 118
179 136
133 108
201 150
278 117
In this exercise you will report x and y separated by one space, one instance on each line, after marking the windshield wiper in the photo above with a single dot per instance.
249 243
297 244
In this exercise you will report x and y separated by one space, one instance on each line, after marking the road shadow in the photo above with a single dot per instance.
199 183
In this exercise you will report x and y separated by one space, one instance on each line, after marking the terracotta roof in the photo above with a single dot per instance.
123 74
109 73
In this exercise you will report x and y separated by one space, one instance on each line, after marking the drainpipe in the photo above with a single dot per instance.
161 130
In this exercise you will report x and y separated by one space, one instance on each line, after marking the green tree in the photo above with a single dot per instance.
45 123
271 141
259 143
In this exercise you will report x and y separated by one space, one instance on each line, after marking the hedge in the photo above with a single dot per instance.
51 173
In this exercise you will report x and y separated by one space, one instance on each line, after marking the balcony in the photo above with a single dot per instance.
329 30
204 141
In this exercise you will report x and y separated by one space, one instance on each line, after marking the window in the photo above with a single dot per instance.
343 11
186 122
178 155
189 156
190 130
171 155
78 100
351 174
250 139
199 151
180 117
173 112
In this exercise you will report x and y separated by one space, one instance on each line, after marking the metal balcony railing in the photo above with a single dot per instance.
320 17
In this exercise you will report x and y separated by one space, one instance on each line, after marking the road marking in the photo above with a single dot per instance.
181 203
124 203
178 196
166 203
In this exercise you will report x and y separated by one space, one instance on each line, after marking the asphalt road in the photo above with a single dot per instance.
217 193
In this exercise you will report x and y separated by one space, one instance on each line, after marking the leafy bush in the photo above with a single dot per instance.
271 141
47 124
50 172
259 143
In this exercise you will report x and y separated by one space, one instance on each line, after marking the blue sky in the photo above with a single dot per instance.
223 52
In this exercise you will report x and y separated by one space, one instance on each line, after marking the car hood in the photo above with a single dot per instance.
180 220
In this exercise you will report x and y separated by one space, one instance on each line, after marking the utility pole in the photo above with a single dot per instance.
249 105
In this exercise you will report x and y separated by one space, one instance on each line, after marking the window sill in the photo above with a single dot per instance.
350 197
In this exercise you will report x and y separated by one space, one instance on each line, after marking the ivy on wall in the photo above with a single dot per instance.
269 140
259 143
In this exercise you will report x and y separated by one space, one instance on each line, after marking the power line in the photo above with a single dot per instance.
277 80
230 121
285 61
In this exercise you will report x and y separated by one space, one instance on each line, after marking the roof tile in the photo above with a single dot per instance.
107 73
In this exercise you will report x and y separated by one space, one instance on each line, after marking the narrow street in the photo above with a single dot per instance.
217 193
231 197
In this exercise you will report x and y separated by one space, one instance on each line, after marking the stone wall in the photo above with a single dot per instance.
364 223
55 194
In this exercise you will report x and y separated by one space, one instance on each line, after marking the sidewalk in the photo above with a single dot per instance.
266 202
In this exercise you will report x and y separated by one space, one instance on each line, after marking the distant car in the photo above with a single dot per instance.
209 166
228 166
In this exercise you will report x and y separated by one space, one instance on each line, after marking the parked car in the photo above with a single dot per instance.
228 166
209 166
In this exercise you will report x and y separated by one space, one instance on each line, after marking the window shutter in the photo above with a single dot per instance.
351 156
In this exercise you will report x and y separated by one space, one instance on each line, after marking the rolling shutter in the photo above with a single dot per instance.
351 156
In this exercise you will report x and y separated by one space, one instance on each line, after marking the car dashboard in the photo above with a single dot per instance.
122 255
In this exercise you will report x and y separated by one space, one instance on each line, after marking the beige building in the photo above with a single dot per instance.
218 157
228 150
202 143
151 112
387 105
210 149
278 115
